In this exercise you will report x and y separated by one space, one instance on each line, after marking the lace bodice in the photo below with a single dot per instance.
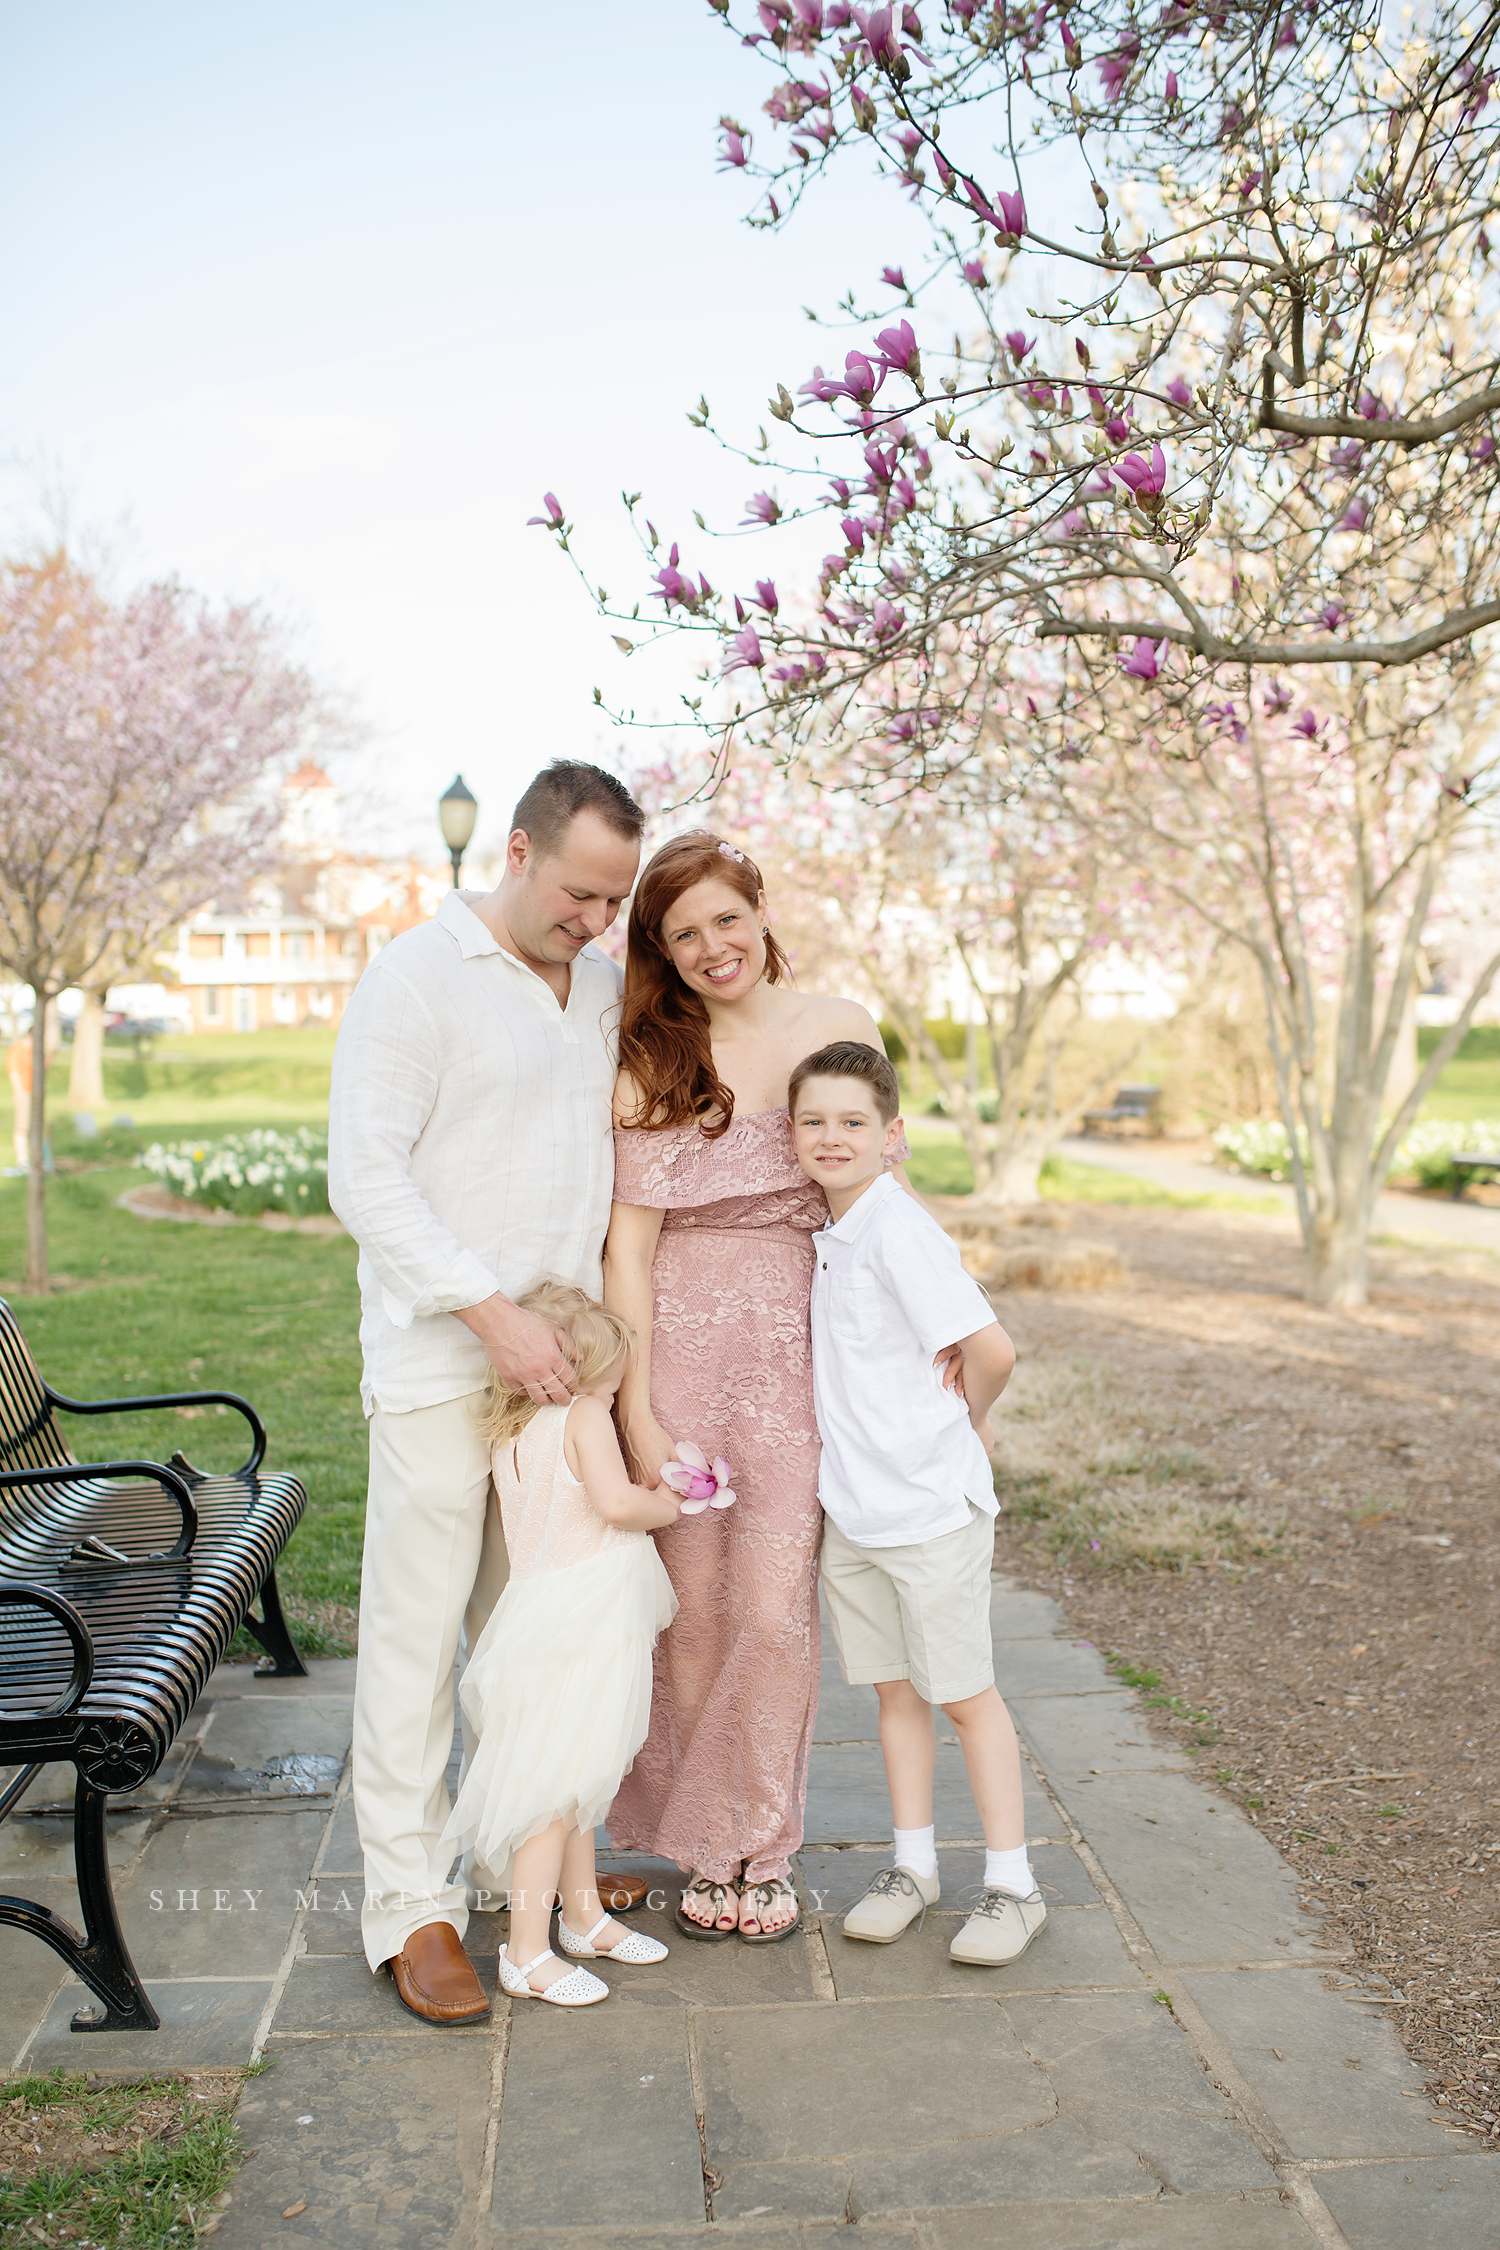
547 1516
748 1177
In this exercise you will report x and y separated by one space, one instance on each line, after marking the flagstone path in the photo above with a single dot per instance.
1176 2063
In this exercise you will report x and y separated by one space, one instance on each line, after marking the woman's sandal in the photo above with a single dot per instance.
762 1894
580 1988
719 1896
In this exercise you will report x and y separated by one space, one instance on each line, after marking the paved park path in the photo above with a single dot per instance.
1175 2064
1414 1218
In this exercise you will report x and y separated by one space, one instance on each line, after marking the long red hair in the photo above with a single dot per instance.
664 1035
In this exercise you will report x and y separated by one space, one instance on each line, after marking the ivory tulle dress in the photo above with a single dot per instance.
722 1777
558 1689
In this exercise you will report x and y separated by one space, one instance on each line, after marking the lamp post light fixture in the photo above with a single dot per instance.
458 809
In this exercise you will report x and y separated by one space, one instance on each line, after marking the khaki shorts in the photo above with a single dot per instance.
918 1613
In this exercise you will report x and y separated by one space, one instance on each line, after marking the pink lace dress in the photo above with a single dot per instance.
721 1778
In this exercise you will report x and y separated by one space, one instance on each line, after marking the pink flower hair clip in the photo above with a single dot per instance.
699 1482
729 851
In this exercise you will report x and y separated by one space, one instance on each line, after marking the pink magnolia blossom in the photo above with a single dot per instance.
1307 726
1017 346
1356 516
1481 452
1082 351
763 508
1146 479
1330 617
893 277
1142 663
1171 88
554 516
854 532
765 595
735 153
898 351
744 652
1117 428
1346 458
886 619
974 273
1012 217
839 492
1372 407
1115 69
1179 391
1277 698
700 1482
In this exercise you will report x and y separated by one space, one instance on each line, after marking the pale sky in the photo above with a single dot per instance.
319 297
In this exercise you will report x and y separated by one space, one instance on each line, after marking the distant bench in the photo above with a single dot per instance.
1138 1106
122 1583
1466 1168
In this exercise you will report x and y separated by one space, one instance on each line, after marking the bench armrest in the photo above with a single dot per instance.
16 1594
85 1472
174 1398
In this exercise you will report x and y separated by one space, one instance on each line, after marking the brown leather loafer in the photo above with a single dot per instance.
621 1892
436 1979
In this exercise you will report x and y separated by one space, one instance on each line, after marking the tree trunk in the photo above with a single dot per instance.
1020 1176
1337 1257
86 1078
37 1277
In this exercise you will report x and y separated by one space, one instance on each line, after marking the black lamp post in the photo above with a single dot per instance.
458 810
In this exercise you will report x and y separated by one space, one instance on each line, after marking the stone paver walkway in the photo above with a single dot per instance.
1175 2064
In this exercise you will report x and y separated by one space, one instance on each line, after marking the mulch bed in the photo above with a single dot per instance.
1339 1687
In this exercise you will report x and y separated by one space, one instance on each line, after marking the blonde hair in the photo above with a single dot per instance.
600 1339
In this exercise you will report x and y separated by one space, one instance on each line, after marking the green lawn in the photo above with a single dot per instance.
161 1307
939 1167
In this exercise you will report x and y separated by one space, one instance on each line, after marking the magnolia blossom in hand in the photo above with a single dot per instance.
700 1483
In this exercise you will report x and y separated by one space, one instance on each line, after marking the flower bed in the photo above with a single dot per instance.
247 1173
1426 1154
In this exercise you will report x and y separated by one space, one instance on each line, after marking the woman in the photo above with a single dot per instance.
709 1257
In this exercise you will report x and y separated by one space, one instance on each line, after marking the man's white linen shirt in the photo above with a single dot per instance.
901 1459
470 1143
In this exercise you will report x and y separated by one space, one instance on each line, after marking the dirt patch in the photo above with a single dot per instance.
1326 1643
38 2134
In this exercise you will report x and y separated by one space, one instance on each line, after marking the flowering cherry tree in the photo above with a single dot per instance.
1316 839
1274 337
138 744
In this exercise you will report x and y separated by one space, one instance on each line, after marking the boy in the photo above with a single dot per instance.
908 1497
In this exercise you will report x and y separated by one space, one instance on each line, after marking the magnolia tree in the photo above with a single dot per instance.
1010 907
1318 844
137 745
1279 320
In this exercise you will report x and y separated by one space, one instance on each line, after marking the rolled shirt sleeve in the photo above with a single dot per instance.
385 1083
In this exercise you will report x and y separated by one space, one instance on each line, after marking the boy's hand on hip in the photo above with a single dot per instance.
950 1361
527 1353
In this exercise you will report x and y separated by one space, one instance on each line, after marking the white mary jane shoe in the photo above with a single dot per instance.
579 1989
633 1946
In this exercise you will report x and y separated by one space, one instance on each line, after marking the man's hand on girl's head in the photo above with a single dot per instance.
526 1352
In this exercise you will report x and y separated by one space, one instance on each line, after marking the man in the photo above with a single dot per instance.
470 1149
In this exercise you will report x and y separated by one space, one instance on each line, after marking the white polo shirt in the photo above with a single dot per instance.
901 1461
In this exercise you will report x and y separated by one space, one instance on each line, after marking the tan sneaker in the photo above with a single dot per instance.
999 1929
896 1898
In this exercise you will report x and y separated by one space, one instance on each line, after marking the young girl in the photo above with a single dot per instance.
559 1686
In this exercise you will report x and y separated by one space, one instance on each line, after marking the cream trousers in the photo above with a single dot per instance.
434 1567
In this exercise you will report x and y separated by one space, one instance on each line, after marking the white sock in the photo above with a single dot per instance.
1009 1871
916 1848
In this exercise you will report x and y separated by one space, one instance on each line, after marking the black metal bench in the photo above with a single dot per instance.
1132 1105
1468 1167
122 1583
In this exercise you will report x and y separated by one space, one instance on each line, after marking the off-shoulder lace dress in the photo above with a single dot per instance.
721 1778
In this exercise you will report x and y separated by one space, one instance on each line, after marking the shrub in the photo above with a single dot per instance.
1428 1149
248 1173
1257 1144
